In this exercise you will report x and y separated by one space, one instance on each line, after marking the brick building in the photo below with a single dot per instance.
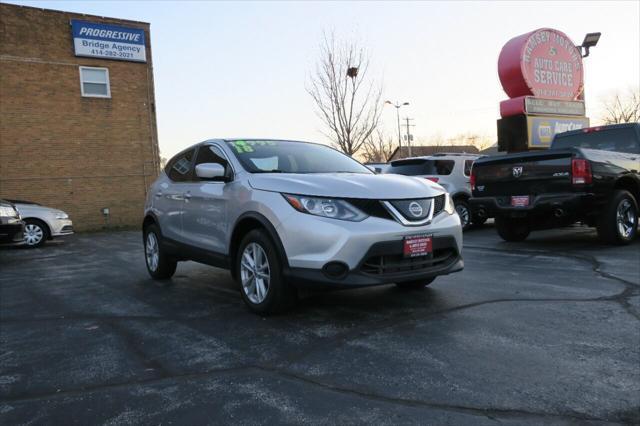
77 114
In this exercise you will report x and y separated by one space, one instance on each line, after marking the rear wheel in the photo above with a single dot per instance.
619 221
36 233
159 264
259 272
478 221
512 229
415 285
464 211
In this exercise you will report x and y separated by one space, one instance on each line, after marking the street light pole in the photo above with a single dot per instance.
398 105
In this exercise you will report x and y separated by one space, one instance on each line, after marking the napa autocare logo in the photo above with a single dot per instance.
543 129
106 41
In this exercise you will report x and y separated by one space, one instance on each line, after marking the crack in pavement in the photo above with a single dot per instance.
276 367
491 413
631 288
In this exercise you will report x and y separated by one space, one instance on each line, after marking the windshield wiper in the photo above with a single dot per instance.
268 171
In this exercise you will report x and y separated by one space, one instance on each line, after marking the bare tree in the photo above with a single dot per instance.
347 100
622 108
377 148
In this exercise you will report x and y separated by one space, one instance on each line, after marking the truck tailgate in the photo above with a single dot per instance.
530 173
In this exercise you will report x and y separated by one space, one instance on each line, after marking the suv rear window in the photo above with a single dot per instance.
415 167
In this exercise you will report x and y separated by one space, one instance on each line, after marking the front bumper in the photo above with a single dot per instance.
12 233
383 264
545 205
311 242
61 227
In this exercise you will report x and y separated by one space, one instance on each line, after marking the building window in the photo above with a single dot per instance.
94 82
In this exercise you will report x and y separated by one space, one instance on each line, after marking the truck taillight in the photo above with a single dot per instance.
472 179
433 179
580 172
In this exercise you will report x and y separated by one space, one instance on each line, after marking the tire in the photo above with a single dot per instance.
415 285
619 220
512 230
479 221
159 264
270 293
36 233
464 211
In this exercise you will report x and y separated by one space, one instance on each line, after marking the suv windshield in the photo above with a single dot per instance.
620 140
257 156
414 167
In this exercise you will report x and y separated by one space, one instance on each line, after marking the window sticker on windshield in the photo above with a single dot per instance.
242 146
247 146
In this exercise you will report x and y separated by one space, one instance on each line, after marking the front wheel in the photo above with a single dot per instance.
159 265
36 233
464 211
619 221
512 230
415 285
259 270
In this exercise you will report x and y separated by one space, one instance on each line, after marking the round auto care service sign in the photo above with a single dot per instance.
543 63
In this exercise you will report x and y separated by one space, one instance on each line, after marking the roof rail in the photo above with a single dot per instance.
442 154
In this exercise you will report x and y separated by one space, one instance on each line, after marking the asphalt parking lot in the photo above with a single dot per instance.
545 331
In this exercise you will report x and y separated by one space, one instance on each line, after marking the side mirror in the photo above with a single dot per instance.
210 171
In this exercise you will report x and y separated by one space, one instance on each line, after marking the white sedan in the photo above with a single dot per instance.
42 223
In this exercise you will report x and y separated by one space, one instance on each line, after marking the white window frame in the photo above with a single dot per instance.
92 95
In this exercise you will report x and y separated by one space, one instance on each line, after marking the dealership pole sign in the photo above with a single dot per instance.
541 72
543 63
106 41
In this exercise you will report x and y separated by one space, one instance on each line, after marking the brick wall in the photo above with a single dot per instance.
61 149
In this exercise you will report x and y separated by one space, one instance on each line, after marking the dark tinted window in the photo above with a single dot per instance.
421 167
179 168
292 157
212 154
619 140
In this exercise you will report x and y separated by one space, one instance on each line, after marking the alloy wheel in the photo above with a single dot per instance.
464 214
255 273
626 219
33 234
152 251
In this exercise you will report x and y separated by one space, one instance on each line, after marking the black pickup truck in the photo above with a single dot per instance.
590 175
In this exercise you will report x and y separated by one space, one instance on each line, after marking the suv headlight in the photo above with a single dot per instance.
62 215
325 207
449 207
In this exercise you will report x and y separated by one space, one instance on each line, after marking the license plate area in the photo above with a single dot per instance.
520 201
417 245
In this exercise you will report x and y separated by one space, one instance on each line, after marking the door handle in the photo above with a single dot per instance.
158 194
187 196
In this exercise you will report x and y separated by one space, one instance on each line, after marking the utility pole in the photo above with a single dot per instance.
399 105
408 125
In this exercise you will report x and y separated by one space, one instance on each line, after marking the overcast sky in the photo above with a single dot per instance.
239 69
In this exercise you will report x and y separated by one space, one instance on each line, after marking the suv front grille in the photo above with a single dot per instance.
372 208
438 204
397 263
376 209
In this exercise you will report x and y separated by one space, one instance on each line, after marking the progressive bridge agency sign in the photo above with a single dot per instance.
106 41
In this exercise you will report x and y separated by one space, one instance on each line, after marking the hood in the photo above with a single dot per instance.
347 185
34 209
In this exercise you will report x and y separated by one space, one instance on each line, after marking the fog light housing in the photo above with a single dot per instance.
335 270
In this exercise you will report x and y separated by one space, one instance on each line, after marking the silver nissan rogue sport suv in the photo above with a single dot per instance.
284 214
